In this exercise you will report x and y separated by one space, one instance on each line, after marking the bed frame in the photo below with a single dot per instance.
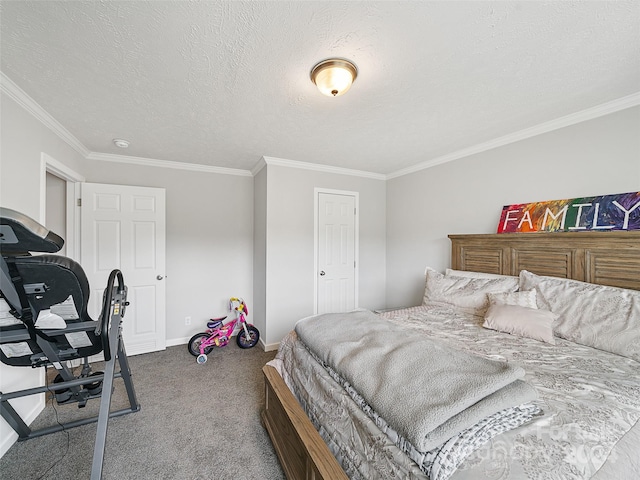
605 258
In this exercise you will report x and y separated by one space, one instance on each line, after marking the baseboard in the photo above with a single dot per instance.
12 438
269 347
177 341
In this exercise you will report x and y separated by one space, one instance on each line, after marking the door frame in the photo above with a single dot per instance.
72 234
316 196
50 165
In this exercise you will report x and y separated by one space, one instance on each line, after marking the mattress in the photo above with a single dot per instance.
590 401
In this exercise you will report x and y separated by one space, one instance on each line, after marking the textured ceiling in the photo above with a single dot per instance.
223 83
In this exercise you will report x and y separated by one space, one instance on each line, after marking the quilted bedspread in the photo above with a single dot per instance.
426 390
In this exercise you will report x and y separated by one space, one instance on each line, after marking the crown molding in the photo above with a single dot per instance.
281 162
18 95
151 162
623 103
258 166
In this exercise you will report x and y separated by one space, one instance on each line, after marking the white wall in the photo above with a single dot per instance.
290 244
23 140
260 254
597 157
209 239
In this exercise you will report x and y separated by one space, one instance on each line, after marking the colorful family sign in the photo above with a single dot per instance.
607 212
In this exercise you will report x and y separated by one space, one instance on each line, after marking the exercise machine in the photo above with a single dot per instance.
44 323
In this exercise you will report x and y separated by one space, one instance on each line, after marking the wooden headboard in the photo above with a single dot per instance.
605 258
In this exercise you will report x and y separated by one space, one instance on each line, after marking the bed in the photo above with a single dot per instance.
587 381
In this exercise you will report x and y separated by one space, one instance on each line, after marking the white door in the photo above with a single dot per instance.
336 252
123 227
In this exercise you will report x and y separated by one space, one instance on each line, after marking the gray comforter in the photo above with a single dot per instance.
387 364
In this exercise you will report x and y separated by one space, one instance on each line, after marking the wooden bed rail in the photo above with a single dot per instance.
300 448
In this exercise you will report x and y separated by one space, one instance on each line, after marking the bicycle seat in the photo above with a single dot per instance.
215 322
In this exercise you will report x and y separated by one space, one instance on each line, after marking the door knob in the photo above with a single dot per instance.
322 273
159 277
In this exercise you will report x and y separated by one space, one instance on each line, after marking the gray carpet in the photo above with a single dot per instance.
196 422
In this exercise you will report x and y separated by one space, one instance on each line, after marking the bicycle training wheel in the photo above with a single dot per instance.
202 359
194 344
243 341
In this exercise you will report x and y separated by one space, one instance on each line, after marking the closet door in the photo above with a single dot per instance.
336 252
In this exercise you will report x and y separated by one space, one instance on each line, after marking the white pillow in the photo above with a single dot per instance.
465 274
607 318
521 321
522 299
467 294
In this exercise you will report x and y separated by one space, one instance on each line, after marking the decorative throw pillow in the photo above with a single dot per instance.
607 318
466 274
467 294
522 299
521 321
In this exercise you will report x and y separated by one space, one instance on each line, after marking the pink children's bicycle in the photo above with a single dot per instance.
218 334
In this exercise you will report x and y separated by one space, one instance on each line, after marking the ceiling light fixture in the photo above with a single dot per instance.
334 76
120 143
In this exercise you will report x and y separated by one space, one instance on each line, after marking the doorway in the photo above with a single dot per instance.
56 207
59 212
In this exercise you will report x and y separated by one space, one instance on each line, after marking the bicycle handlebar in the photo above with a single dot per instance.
241 307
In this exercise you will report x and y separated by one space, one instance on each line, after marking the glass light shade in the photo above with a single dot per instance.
334 77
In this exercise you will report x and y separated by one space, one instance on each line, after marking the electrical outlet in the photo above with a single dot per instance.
187 320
